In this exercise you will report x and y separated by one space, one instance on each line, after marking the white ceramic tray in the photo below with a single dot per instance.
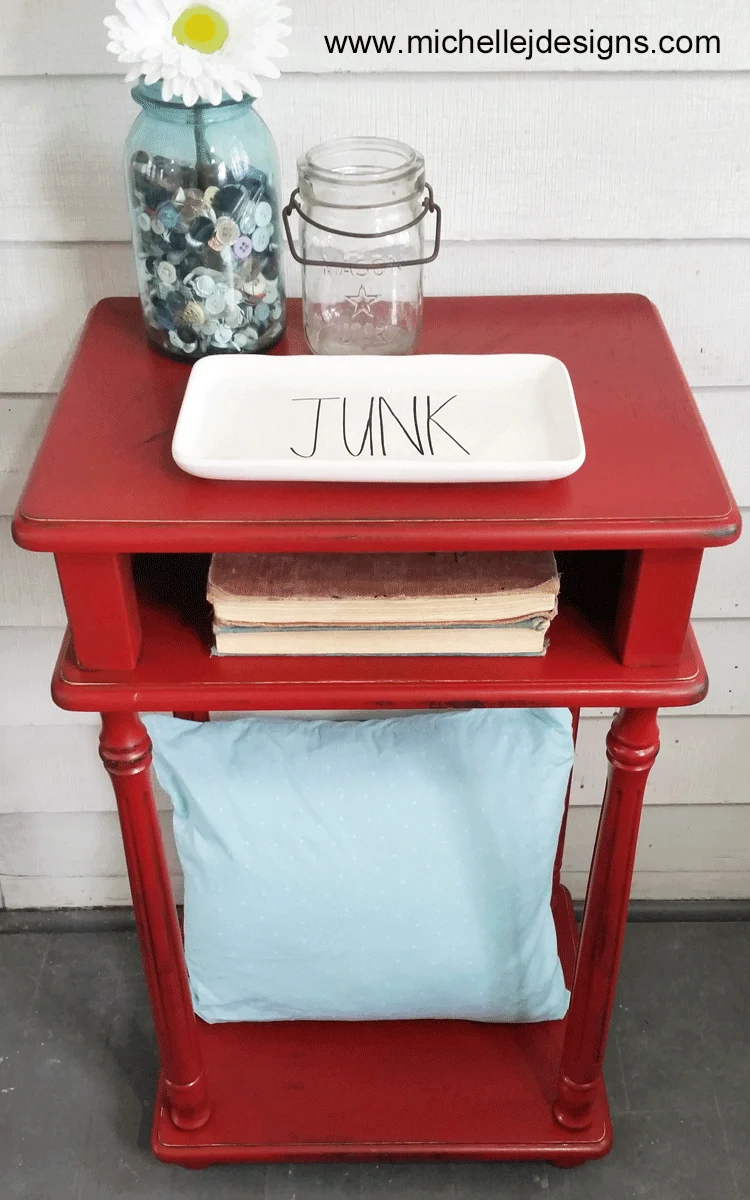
423 419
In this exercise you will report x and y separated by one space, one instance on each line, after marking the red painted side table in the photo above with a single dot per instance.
131 534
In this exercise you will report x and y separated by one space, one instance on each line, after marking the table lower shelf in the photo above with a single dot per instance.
331 1090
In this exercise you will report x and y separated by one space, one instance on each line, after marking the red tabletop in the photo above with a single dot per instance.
104 478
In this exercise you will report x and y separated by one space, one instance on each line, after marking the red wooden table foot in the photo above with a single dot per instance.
632 746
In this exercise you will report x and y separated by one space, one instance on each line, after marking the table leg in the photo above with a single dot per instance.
125 749
632 746
557 893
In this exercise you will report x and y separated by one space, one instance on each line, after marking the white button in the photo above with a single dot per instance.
203 285
166 272
215 304
263 213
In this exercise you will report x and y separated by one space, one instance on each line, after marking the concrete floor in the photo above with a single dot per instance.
77 1070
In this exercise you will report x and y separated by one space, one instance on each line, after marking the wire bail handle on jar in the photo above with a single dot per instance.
428 205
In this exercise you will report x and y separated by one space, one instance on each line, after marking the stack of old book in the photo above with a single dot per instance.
483 603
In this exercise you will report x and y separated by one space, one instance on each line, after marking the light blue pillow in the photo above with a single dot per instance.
354 870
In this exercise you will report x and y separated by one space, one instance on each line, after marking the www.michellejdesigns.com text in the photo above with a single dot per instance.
525 46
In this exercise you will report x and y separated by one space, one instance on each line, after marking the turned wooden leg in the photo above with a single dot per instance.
632 746
556 893
125 749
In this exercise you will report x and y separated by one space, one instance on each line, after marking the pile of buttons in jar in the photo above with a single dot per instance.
208 258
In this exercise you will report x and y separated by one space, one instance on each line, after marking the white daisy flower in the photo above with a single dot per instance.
199 50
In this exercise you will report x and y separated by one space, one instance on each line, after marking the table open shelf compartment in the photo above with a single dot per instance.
591 582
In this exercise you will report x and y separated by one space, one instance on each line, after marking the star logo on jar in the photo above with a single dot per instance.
362 302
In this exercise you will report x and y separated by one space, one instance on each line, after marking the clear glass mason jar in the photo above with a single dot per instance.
362 204
202 188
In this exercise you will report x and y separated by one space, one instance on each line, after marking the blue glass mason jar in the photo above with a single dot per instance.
202 188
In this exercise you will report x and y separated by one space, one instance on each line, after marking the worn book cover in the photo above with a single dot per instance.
369 589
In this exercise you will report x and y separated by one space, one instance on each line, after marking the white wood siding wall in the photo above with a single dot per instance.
631 174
